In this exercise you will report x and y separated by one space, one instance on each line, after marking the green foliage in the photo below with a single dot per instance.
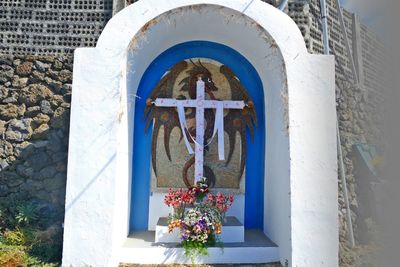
194 249
32 261
30 233
13 256
48 245
9 211
27 214
18 237
46 252
29 247
14 238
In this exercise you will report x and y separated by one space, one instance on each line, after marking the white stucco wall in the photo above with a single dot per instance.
300 176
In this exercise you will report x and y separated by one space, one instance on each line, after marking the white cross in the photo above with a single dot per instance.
200 104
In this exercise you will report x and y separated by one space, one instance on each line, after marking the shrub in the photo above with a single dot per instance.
46 252
14 238
19 236
30 233
12 256
48 244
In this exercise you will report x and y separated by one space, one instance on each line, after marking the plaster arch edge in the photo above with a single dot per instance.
137 18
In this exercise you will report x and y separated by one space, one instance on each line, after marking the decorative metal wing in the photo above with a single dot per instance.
236 121
163 117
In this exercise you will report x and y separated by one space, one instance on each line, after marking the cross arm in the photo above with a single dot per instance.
193 103
170 102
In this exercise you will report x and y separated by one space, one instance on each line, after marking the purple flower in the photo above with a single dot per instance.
185 236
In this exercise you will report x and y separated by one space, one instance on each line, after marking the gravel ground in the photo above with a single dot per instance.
202 265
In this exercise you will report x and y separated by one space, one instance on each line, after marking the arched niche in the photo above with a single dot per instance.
249 205
299 108
182 25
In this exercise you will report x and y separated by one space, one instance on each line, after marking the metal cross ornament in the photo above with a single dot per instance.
200 104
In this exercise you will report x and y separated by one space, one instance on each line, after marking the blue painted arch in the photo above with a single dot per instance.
255 161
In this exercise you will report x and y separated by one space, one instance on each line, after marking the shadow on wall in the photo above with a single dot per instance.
35 95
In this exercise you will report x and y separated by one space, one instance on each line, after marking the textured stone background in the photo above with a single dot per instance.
35 95
360 121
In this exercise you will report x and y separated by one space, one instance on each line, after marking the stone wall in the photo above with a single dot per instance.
360 115
359 107
35 95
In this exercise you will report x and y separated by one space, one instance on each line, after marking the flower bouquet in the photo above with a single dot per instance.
221 202
198 215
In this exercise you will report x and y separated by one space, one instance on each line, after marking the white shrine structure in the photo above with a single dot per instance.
300 218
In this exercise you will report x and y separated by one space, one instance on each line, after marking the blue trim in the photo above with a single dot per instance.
254 202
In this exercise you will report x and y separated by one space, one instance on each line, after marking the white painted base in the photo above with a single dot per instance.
257 248
231 255
232 232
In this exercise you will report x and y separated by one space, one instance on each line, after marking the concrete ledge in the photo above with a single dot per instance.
232 231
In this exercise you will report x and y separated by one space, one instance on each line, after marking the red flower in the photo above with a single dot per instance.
220 201
178 198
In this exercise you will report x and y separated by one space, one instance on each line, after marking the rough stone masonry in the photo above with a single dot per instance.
35 95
